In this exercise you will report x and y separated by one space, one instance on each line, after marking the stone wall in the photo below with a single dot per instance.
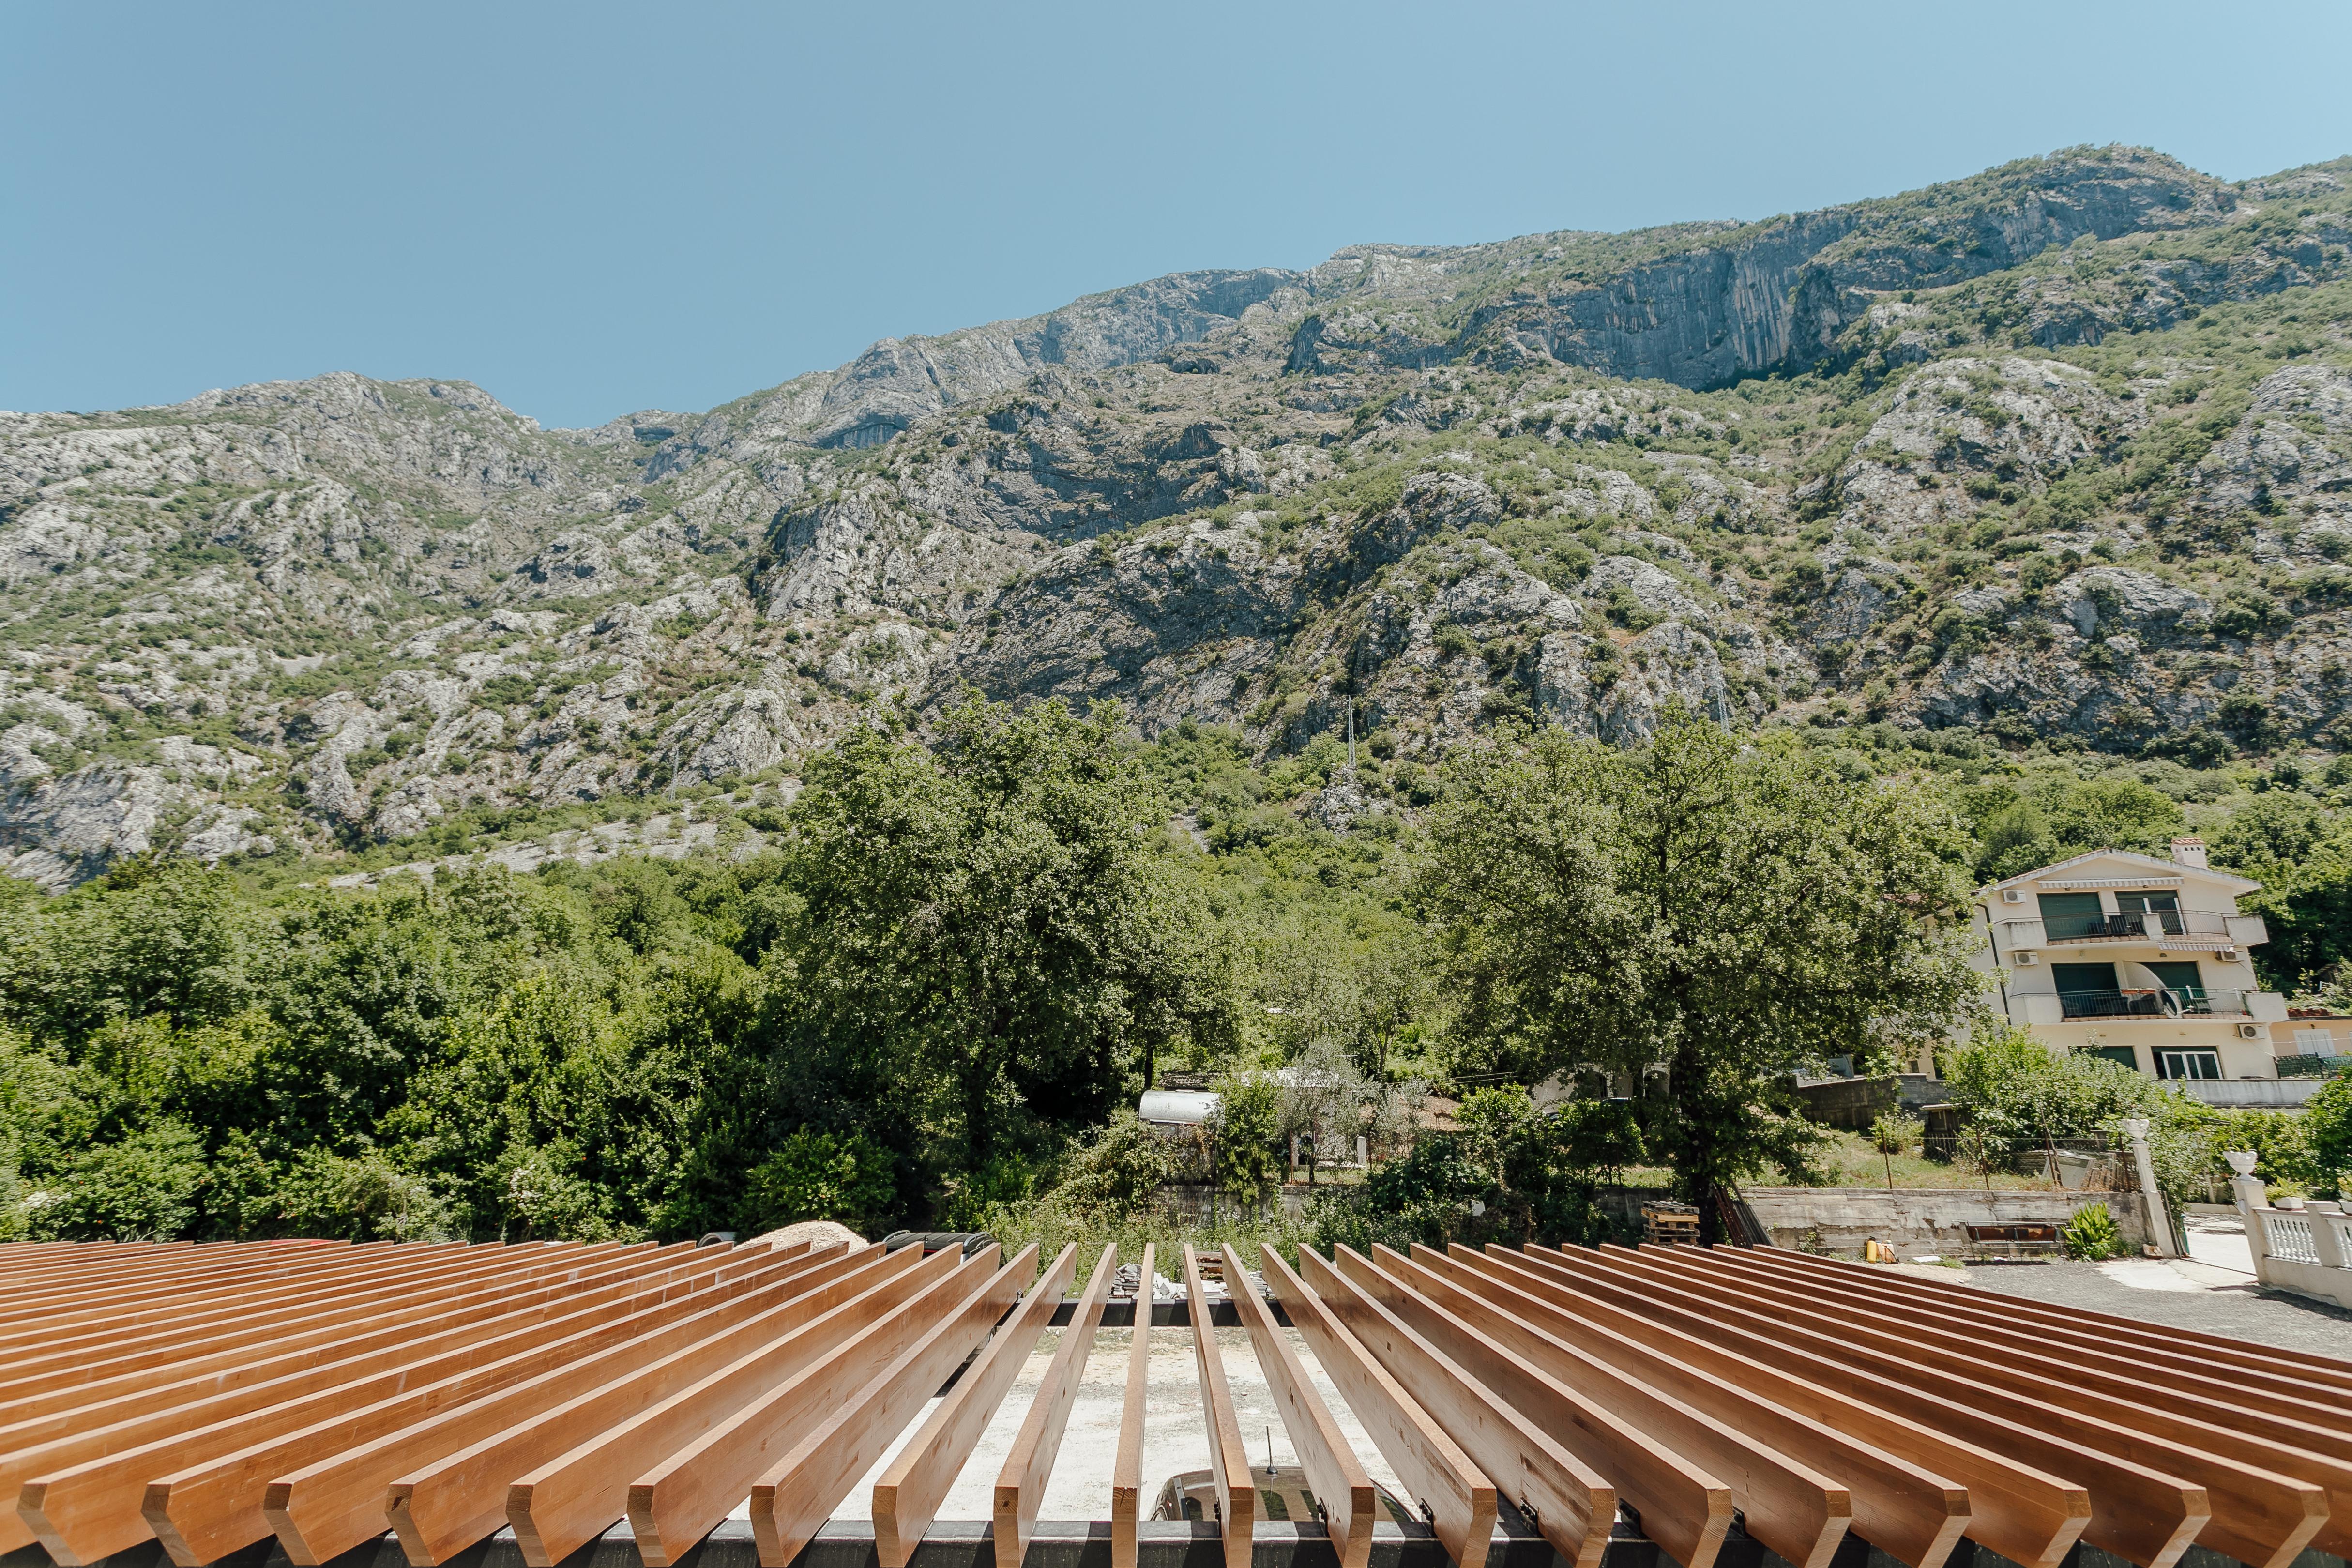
1912 1220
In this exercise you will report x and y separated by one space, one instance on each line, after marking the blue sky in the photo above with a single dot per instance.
592 208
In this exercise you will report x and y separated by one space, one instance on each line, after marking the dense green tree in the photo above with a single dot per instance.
2307 909
1725 912
988 936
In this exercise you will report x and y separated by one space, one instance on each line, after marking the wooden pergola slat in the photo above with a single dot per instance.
224 1281
1127 1465
82 1494
1228 1464
448 1504
2092 1328
1791 1507
906 1496
217 1506
1029 1464
2028 1517
791 1501
35 1350
1910 1513
703 1447
209 1395
1334 1473
1459 1501
260 1352
2270 1500
1572 1502
2137 1511
2277 1391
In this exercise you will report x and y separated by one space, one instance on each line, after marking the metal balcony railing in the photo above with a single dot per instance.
2155 1002
2139 925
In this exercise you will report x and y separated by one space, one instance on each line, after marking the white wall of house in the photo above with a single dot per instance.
2144 959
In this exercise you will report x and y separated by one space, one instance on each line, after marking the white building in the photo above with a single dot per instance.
2141 960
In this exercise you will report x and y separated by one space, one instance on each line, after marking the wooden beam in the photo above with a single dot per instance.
2085 1326
337 1499
1228 1464
1029 1464
61 1439
1334 1474
2265 1510
1127 1465
1572 1502
792 1500
445 1504
248 1279
30 1353
1910 1513
2137 1511
2280 1390
1459 1502
908 1495
82 1495
266 1347
675 1500
1791 1507
2024 1514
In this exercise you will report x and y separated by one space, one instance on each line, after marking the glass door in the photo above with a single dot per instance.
2066 917
2186 982
2166 907
2188 1064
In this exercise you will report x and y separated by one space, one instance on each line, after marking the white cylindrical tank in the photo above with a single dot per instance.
1177 1106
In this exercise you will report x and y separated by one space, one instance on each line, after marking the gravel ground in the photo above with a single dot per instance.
2244 1311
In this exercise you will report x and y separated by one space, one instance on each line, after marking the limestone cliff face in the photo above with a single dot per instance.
2061 452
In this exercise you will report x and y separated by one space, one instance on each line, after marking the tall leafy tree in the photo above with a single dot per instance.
989 932
1724 912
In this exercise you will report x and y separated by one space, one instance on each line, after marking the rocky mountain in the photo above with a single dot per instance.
2058 455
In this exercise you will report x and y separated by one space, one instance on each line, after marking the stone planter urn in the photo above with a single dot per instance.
2240 1160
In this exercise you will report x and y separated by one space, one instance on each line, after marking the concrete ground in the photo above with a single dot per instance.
2212 1290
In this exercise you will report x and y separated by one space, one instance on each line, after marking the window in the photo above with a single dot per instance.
2313 1043
2068 915
2123 1055
2083 977
2188 1064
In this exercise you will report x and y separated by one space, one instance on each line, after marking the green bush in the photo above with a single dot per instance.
2092 1234
1113 1175
819 1176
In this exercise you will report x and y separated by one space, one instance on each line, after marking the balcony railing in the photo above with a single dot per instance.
2139 925
2182 1002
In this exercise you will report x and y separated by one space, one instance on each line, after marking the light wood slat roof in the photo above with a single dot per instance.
213 1396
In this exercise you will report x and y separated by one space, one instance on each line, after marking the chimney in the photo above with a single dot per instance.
2188 852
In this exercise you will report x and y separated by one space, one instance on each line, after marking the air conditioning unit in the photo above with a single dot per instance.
2022 960
2250 1031
2012 896
2228 955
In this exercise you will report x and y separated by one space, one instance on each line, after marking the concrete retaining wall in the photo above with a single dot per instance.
1840 1219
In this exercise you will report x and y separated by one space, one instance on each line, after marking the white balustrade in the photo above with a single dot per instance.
2288 1235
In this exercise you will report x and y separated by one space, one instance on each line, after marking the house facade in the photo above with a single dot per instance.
2141 960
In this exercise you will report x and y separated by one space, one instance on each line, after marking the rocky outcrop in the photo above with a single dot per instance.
1410 492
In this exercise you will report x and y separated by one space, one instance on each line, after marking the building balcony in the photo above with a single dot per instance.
2154 1004
2179 930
